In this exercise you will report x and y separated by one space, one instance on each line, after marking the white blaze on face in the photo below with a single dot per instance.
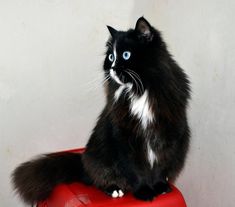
114 55
112 72
115 77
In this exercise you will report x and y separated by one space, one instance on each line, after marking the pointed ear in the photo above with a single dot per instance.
112 31
144 28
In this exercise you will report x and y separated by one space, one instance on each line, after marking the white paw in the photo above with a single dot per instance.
117 194
120 193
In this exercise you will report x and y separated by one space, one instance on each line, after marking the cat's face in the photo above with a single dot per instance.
128 55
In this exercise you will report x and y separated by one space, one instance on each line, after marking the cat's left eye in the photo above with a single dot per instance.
111 57
126 55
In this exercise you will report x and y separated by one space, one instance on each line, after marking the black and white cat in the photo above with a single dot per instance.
141 137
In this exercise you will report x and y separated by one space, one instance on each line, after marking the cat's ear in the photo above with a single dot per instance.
144 29
112 31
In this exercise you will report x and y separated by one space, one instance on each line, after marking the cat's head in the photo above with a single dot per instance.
132 54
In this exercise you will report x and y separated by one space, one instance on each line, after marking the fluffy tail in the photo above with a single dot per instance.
35 180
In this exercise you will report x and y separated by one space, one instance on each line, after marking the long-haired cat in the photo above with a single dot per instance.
141 137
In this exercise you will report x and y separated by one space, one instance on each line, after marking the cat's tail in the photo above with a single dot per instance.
35 180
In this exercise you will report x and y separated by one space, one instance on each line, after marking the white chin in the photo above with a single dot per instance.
114 76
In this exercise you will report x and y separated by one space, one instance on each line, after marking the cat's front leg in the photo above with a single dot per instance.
136 184
145 192
162 186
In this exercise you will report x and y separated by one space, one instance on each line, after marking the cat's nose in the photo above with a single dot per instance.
116 67
116 64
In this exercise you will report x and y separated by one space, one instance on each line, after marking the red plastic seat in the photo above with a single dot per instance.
78 195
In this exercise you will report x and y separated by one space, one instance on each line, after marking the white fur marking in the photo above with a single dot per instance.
115 55
113 75
120 193
140 107
118 92
115 194
151 155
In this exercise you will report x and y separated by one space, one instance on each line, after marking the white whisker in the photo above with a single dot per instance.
136 83
95 83
138 78
107 78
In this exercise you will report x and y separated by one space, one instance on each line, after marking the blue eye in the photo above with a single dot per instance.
126 55
111 57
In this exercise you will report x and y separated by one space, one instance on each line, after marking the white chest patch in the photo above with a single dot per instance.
152 157
140 107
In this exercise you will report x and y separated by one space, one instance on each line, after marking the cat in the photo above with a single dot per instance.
141 138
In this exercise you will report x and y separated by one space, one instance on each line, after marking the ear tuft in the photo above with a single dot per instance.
112 31
144 28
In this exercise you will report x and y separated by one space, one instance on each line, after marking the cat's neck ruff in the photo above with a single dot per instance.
139 105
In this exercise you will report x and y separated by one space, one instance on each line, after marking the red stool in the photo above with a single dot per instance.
78 195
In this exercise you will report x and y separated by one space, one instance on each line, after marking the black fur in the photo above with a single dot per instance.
34 180
116 153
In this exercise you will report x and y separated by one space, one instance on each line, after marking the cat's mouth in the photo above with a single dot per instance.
134 80
115 77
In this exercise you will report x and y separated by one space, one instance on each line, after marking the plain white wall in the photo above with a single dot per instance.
201 37
51 54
